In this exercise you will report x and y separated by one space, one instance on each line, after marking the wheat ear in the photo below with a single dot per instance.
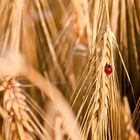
20 123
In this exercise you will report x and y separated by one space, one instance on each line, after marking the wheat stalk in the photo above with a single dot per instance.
21 122
102 92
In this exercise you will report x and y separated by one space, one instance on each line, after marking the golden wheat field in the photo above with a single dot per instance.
69 69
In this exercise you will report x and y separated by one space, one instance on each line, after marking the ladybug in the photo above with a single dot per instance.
108 69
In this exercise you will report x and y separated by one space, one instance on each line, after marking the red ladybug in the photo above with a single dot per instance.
108 69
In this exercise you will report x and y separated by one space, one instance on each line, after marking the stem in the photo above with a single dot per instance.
107 13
